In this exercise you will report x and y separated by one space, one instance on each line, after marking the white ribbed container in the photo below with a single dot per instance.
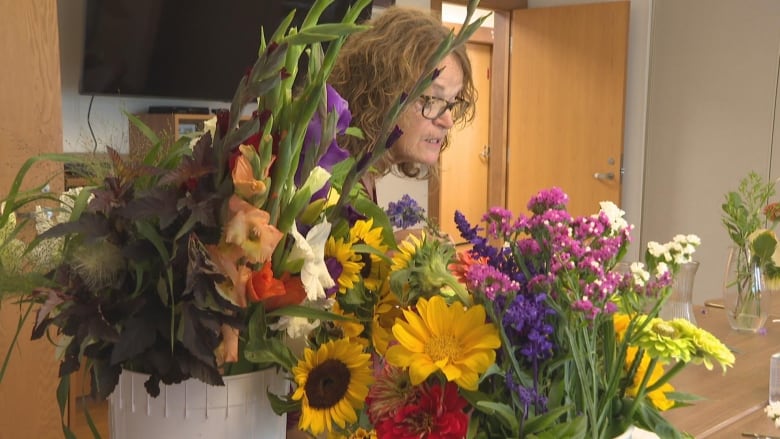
193 409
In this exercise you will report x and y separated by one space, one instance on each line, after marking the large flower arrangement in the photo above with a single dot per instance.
250 246
533 332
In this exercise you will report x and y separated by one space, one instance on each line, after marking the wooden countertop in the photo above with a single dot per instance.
734 402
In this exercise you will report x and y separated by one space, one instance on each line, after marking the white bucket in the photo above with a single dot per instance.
238 410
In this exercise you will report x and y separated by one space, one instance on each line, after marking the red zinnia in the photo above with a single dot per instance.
435 415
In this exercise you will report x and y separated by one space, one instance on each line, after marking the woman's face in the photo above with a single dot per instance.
422 138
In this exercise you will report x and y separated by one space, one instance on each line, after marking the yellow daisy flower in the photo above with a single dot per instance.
332 383
339 251
451 339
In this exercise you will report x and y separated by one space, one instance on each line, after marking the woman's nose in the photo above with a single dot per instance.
445 120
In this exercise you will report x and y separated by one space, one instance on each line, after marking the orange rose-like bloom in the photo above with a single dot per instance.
274 293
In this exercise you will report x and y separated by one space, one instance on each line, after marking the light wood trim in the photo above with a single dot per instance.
496 5
499 109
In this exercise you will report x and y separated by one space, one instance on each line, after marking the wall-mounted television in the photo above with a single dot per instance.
180 49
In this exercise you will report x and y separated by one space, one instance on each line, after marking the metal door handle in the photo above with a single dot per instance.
604 176
485 154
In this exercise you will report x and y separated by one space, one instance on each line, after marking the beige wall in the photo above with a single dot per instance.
712 78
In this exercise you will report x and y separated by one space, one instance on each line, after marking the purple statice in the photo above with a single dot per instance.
498 223
551 199
490 281
405 213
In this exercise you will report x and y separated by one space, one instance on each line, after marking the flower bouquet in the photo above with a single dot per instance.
753 267
248 247
532 332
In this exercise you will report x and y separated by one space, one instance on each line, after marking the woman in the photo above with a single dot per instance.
377 65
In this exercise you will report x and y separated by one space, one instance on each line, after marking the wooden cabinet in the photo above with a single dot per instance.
169 127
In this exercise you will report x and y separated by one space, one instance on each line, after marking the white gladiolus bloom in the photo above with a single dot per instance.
314 273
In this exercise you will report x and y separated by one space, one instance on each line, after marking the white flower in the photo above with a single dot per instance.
640 275
316 180
615 215
661 269
314 273
296 327
773 412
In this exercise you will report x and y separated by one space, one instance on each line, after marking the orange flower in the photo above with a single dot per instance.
274 293
465 261
249 228
226 259
244 181
227 351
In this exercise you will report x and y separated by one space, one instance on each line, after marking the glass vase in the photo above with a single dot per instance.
746 293
679 304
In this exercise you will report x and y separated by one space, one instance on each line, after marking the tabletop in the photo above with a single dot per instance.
733 403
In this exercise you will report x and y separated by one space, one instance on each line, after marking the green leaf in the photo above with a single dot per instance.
308 312
281 406
502 411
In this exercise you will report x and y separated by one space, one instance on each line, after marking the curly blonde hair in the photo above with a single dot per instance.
377 65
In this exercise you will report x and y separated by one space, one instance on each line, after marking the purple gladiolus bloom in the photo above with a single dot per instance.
313 138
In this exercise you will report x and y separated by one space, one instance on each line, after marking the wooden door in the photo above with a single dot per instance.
30 123
464 165
567 77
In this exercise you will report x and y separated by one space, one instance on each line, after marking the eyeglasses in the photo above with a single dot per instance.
433 107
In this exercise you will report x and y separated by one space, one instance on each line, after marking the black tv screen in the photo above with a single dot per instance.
183 49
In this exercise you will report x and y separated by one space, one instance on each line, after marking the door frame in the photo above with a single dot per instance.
499 38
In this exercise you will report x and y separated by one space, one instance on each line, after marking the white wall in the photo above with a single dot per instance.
711 109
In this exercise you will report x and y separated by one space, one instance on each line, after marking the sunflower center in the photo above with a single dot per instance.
365 258
327 384
443 346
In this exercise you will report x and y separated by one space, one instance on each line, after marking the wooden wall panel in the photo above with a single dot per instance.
30 123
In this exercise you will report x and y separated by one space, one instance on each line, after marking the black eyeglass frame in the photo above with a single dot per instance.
448 106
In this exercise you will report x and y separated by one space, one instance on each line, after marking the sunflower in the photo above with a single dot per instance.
406 251
452 339
350 329
386 310
343 263
374 267
658 396
332 383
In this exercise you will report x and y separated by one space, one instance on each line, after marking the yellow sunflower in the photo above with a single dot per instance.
385 312
339 253
332 383
658 396
406 251
350 329
374 267
452 339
